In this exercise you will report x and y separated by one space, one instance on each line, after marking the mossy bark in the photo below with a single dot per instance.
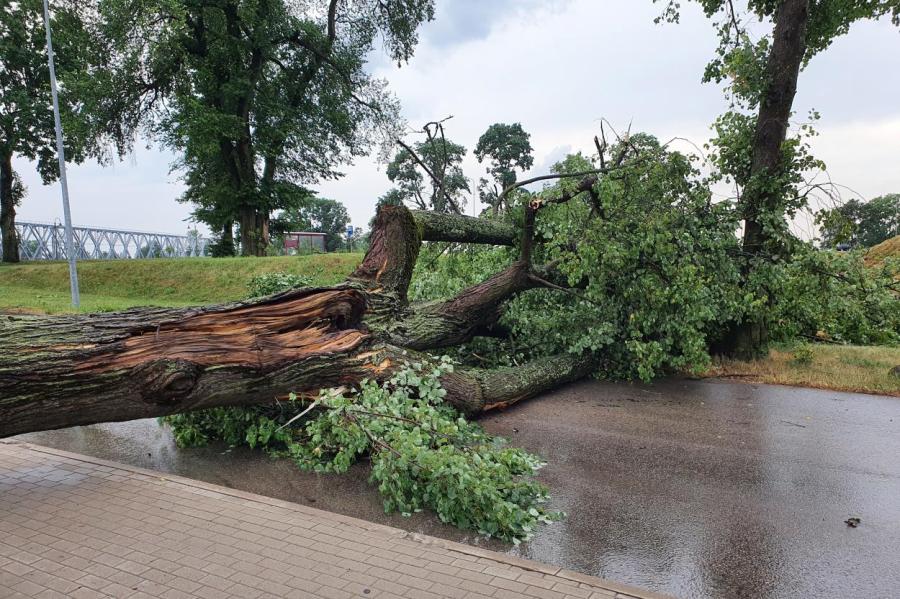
467 229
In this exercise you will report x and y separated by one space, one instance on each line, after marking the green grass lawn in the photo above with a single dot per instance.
43 287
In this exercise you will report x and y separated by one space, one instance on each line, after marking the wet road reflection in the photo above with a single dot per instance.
694 488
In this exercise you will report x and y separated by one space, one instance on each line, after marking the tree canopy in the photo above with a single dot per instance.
754 147
429 175
257 97
506 147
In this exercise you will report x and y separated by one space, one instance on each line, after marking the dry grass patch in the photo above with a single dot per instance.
864 369
889 248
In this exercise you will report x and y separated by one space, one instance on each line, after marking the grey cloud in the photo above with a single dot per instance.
545 164
460 21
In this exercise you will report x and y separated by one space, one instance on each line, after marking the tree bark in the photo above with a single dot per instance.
437 226
70 370
476 391
8 210
254 232
455 321
761 198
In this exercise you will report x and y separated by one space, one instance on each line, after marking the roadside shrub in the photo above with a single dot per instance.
803 355
276 282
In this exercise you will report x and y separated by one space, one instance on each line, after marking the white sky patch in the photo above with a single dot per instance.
558 68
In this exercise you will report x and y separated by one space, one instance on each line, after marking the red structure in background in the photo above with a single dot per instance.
297 242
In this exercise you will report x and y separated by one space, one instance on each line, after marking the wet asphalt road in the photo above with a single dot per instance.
693 488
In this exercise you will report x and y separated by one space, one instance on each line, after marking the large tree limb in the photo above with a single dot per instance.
464 229
479 391
69 370
457 320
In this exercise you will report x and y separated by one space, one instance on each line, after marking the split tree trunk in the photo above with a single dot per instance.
70 370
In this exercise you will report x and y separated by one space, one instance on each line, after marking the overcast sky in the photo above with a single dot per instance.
558 67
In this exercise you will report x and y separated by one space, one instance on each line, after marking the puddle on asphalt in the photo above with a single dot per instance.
692 488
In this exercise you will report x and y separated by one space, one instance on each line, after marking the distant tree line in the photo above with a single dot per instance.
857 224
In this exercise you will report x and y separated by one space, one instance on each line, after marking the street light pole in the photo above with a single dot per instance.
70 237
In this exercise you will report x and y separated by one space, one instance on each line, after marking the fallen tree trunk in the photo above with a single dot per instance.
63 371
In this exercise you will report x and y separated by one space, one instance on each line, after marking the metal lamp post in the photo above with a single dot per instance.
70 237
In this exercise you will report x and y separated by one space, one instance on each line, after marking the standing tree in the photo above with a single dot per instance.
257 96
429 174
862 224
753 146
507 148
26 116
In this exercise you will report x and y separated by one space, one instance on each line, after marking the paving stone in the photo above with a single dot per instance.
75 526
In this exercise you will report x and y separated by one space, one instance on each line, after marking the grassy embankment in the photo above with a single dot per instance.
43 287
889 248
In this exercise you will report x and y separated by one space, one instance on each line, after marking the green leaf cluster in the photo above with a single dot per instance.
507 148
276 282
835 296
254 427
423 454
653 261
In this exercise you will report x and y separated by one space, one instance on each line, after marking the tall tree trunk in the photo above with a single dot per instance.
238 158
68 370
8 210
762 201
254 231
228 236
224 247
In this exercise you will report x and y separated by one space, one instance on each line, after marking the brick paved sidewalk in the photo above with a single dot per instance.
75 526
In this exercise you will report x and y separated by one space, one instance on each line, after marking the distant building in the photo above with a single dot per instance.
304 242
